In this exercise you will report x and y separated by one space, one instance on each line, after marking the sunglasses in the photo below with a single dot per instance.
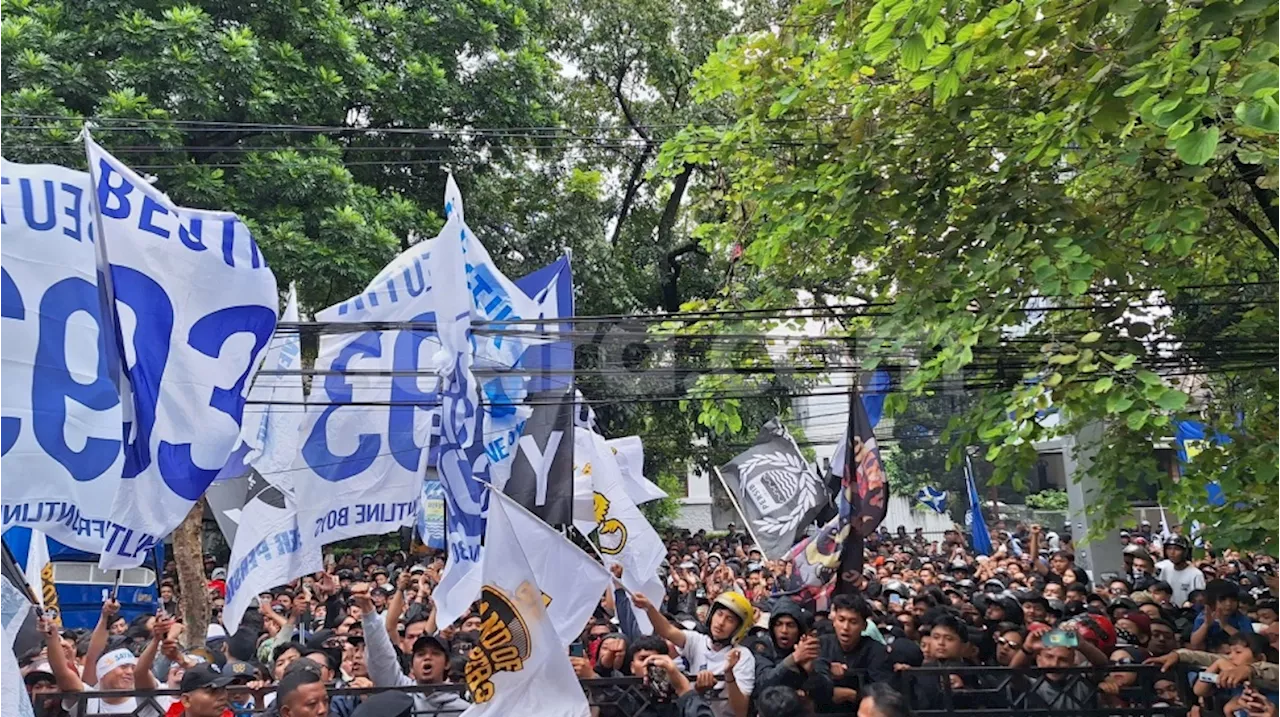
1007 642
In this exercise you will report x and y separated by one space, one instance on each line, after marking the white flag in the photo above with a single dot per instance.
62 415
629 452
37 558
267 551
14 608
623 533
519 665
573 580
195 305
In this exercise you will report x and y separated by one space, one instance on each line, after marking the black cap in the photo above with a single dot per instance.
205 674
36 677
424 640
240 670
385 704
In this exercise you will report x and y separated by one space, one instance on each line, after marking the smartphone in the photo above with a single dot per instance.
1061 638
895 599
1210 677
659 683
576 649
115 586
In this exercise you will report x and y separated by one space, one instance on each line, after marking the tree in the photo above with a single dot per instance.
1046 201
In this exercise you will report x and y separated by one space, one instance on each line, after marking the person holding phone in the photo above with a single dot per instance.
790 653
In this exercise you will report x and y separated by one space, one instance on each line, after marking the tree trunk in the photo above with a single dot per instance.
193 584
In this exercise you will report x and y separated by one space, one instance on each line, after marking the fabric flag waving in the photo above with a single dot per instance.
629 452
518 666
623 534
934 499
542 474
571 581
15 610
860 505
775 488
978 524
200 321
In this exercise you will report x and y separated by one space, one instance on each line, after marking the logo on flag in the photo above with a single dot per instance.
612 532
776 490
933 498
505 642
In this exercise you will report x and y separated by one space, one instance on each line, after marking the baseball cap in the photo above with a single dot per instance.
297 674
36 677
240 670
424 641
205 675
385 704
114 659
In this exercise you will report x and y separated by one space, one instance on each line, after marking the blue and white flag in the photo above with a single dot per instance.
934 499
195 305
62 418
978 524
372 425
431 515
190 305
266 550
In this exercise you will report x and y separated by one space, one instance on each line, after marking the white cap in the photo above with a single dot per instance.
114 659
215 632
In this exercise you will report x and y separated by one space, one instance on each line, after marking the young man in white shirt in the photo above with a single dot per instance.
1177 570
730 618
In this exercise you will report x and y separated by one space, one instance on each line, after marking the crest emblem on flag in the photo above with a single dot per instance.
504 643
774 482
612 532
933 498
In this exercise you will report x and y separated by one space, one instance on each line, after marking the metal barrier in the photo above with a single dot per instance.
990 691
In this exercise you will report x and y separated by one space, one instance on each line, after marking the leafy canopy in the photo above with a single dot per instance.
1033 188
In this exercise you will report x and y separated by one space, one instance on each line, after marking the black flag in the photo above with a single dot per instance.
542 473
775 488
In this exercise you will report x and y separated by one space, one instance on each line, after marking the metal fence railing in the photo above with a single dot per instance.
931 692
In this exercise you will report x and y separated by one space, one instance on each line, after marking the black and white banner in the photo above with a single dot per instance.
542 474
775 488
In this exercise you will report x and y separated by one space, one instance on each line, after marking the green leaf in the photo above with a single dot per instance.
789 96
1103 384
921 81
913 52
1263 114
1132 87
1172 400
1054 379
1149 377
946 87
1226 44
1136 420
1124 362
1091 337
1118 403
937 56
1198 146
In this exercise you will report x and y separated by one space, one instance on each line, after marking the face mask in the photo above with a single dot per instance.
1124 637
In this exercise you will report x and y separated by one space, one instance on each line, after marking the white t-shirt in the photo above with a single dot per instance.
1182 581
96 705
700 655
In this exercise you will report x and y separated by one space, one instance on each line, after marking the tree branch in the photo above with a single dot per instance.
1249 175
626 107
670 268
1240 216
633 187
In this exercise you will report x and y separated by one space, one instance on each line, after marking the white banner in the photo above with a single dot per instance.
367 429
267 551
195 306
519 664
629 452
166 368
62 418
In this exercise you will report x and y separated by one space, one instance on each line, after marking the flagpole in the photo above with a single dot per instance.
746 523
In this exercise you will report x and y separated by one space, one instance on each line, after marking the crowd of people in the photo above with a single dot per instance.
928 625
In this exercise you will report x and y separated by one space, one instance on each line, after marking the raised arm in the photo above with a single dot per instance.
380 654
98 641
661 627
1034 549
63 671
143 679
